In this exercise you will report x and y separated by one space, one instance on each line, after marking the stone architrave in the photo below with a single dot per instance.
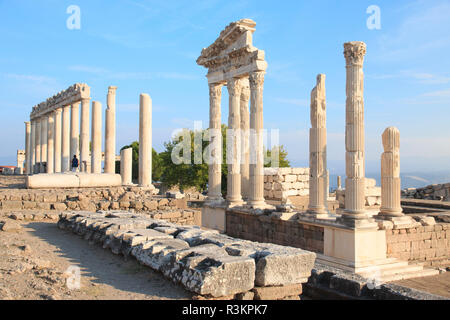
215 145
256 193
355 214
84 135
110 131
96 134
234 143
57 140
145 140
44 124
32 146
318 179
126 165
390 174
37 167
27 147
245 141
65 139
50 144
74 130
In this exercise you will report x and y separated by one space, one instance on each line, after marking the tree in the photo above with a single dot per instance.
283 162
156 162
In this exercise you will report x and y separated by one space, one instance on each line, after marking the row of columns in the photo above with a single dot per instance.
245 179
53 139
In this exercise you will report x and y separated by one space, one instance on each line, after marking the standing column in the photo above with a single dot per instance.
32 146
74 130
57 140
215 144
245 144
110 131
354 134
96 134
126 165
37 167
84 135
65 139
318 151
44 124
145 141
27 147
256 194
234 197
390 174
50 144
339 184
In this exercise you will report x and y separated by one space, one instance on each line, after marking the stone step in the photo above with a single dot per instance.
410 275
396 268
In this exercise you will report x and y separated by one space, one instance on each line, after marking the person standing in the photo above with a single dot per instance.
74 163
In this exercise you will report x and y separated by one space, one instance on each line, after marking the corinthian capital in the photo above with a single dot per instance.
354 52
215 90
256 79
234 86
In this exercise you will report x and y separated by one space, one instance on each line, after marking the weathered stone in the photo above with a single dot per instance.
277 292
10 226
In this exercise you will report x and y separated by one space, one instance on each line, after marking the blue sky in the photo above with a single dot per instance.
151 47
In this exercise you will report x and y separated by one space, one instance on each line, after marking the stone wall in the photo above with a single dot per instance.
202 261
280 183
92 199
372 194
428 242
431 192
280 228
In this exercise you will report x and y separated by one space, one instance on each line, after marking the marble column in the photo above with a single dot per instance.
65 139
234 197
84 135
318 151
215 144
57 140
245 143
256 194
339 183
96 135
74 130
37 167
126 165
50 144
110 131
44 124
145 140
27 147
354 213
33 146
390 174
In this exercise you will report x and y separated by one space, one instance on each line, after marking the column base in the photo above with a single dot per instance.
258 204
356 219
398 222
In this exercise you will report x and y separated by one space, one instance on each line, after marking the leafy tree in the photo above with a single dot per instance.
156 162
283 162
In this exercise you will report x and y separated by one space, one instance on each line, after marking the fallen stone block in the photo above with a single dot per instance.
277 292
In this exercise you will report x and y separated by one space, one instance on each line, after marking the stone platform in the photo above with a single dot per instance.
73 180
213 265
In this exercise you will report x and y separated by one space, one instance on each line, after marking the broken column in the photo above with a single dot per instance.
318 151
37 152
44 124
84 134
234 143
50 144
126 165
354 214
245 143
57 140
256 192
390 174
65 139
215 145
110 131
145 140
74 130
339 183
96 134
27 147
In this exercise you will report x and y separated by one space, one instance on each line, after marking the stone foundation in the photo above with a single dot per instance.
279 228
212 265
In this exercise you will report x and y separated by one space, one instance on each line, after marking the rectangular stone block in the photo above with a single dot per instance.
277 292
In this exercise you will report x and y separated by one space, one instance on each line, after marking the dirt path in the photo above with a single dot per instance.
34 259
439 284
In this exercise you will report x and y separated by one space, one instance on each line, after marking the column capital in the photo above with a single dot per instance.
215 90
112 89
354 53
57 111
256 79
84 100
234 86
27 122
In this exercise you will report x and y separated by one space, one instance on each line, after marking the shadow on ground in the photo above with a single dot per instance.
105 267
